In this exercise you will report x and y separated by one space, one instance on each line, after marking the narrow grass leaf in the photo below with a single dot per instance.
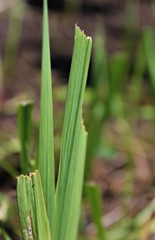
46 141
100 73
32 209
73 144
24 184
95 200
4 235
131 24
118 72
138 72
1 79
72 201
24 122
43 230
100 81
149 46
2 87
13 38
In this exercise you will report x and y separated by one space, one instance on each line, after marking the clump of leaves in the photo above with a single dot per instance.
49 211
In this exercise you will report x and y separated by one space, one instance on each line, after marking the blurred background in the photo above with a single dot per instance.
119 108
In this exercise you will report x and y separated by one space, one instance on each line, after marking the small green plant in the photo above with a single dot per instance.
49 202
48 210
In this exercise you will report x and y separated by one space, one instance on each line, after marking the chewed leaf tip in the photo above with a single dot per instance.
83 126
79 32
31 174
22 176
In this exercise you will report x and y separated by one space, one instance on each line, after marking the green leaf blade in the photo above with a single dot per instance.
75 93
43 230
46 141
149 48
32 208
95 200
24 122
72 201
72 157
24 205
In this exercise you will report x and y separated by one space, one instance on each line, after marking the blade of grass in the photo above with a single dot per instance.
4 234
118 73
68 210
72 5
46 139
7 148
138 72
95 200
72 201
1 84
70 178
24 191
131 24
32 209
149 46
100 77
24 122
13 38
100 72
43 230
